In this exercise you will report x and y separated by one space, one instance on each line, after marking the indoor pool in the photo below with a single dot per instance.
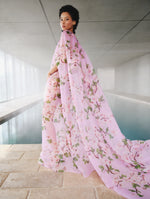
24 128
132 117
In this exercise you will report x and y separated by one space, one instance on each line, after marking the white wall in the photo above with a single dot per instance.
106 78
42 80
134 76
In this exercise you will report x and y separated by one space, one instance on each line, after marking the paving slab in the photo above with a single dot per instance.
31 155
42 168
26 147
3 177
33 180
102 192
10 155
77 180
64 193
13 194
4 147
18 165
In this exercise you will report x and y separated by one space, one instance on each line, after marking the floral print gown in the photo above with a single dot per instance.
79 131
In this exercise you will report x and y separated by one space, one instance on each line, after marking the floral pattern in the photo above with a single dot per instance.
79 131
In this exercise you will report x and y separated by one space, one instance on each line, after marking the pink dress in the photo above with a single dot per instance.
79 131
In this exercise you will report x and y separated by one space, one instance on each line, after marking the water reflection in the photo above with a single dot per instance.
25 128
132 117
133 120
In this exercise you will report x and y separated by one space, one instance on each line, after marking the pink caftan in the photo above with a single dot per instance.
79 131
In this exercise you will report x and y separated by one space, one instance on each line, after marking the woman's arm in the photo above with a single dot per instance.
53 70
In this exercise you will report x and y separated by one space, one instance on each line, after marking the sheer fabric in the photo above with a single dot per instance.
79 131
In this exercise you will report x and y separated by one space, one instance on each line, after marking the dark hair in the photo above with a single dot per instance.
74 13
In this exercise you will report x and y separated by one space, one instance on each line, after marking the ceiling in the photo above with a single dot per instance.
110 31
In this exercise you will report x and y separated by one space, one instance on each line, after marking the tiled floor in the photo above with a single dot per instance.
21 177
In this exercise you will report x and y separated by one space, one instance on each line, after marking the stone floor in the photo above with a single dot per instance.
21 177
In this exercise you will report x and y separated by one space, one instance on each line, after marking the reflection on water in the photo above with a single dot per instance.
132 117
26 128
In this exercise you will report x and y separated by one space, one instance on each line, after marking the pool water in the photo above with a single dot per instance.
26 128
133 117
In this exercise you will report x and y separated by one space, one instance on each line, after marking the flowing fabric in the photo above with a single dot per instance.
79 131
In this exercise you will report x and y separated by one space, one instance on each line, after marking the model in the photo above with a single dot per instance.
79 131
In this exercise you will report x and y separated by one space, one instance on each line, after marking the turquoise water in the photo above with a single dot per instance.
24 128
133 119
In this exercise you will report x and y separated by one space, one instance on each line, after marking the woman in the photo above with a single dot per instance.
79 131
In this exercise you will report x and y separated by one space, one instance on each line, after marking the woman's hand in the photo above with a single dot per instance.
49 73
53 70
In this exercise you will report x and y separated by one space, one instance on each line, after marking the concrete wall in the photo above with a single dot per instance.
106 78
42 79
134 76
